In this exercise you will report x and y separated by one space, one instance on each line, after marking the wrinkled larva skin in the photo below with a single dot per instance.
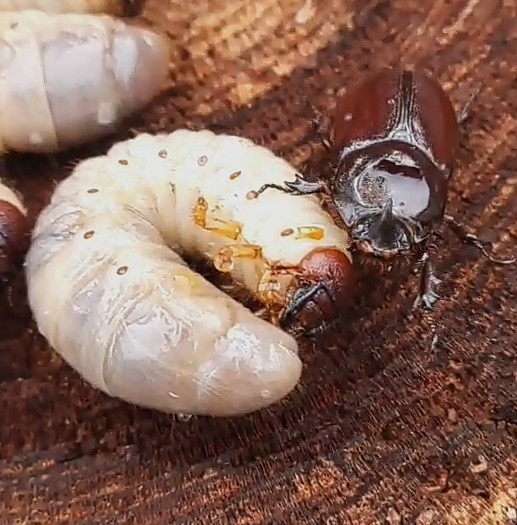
67 79
14 231
110 291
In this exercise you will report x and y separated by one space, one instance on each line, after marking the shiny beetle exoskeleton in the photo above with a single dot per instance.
395 140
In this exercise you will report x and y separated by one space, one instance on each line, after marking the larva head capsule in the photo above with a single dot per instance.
325 290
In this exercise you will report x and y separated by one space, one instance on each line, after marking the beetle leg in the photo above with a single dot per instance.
297 187
228 229
467 107
461 232
428 296
434 341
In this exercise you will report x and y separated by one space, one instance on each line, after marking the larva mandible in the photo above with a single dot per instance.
111 292
14 230
67 79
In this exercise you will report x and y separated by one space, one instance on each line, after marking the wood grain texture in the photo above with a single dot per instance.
382 430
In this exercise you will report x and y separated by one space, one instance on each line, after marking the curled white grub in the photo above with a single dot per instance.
110 290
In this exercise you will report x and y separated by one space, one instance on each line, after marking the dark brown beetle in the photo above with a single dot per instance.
395 138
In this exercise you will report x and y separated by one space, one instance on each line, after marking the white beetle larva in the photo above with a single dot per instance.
110 291
13 230
66 79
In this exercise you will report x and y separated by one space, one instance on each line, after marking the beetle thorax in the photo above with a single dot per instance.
390 196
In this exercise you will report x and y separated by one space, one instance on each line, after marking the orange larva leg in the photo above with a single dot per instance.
228 229
224 261
269 290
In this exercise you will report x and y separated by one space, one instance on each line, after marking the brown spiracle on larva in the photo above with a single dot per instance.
50 100
109 287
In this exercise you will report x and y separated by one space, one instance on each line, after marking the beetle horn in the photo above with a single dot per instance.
387 211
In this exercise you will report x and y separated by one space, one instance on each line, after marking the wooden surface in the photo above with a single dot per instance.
382 430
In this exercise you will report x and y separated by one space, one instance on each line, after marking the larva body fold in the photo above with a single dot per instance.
109 288
66 79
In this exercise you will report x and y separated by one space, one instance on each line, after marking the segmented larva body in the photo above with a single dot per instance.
14 229
67 79
109 288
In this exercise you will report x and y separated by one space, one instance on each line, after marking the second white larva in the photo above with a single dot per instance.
110 291
67 79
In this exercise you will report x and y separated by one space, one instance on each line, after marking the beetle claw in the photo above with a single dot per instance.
428 300
480 245
304 187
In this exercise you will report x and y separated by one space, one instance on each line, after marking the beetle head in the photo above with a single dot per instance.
390 201
383 233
